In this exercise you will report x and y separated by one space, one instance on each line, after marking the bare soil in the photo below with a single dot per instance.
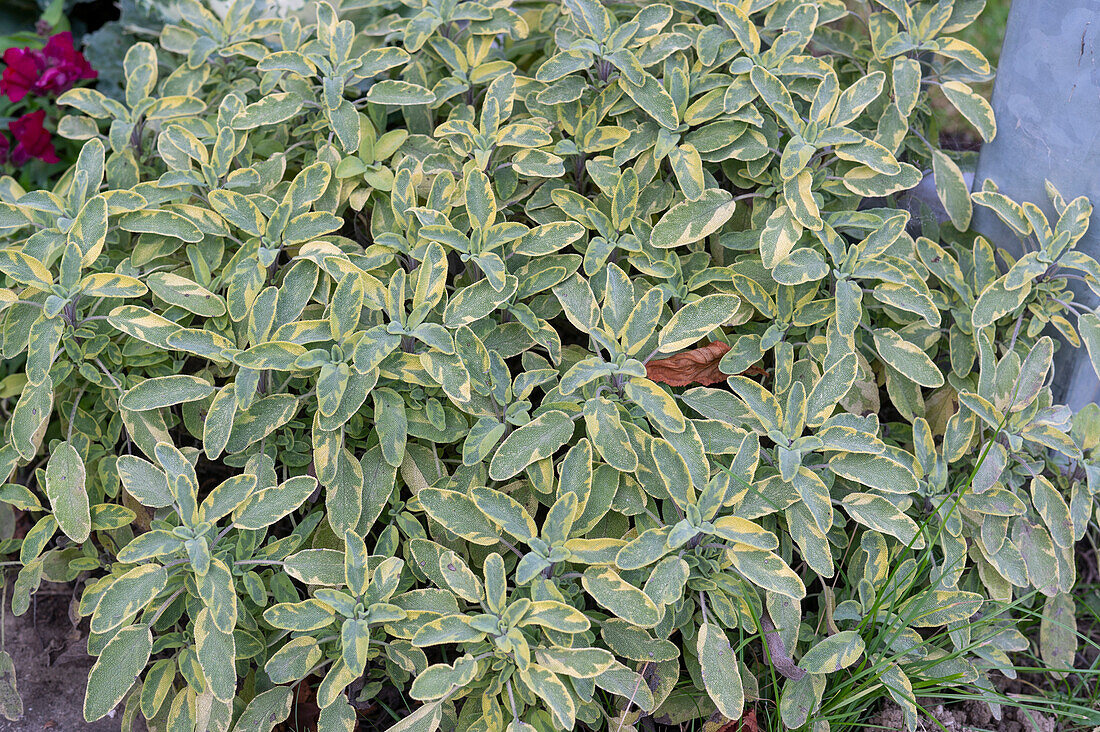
965 717
51 665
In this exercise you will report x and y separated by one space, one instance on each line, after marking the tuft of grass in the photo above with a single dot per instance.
851 698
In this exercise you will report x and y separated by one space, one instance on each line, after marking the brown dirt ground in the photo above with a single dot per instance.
965 717
51 665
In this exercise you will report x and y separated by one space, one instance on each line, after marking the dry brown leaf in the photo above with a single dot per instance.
697 366
747 723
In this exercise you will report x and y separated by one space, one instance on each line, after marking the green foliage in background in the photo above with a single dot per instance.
327 361
19 18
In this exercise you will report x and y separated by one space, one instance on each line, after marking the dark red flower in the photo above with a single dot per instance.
32 139
53 70
24 66
5 148
64 65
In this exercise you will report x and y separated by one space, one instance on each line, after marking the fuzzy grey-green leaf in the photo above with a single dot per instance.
65 487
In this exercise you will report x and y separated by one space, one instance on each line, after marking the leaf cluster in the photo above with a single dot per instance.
326 363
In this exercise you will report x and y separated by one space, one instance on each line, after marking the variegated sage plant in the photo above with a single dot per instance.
326 363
